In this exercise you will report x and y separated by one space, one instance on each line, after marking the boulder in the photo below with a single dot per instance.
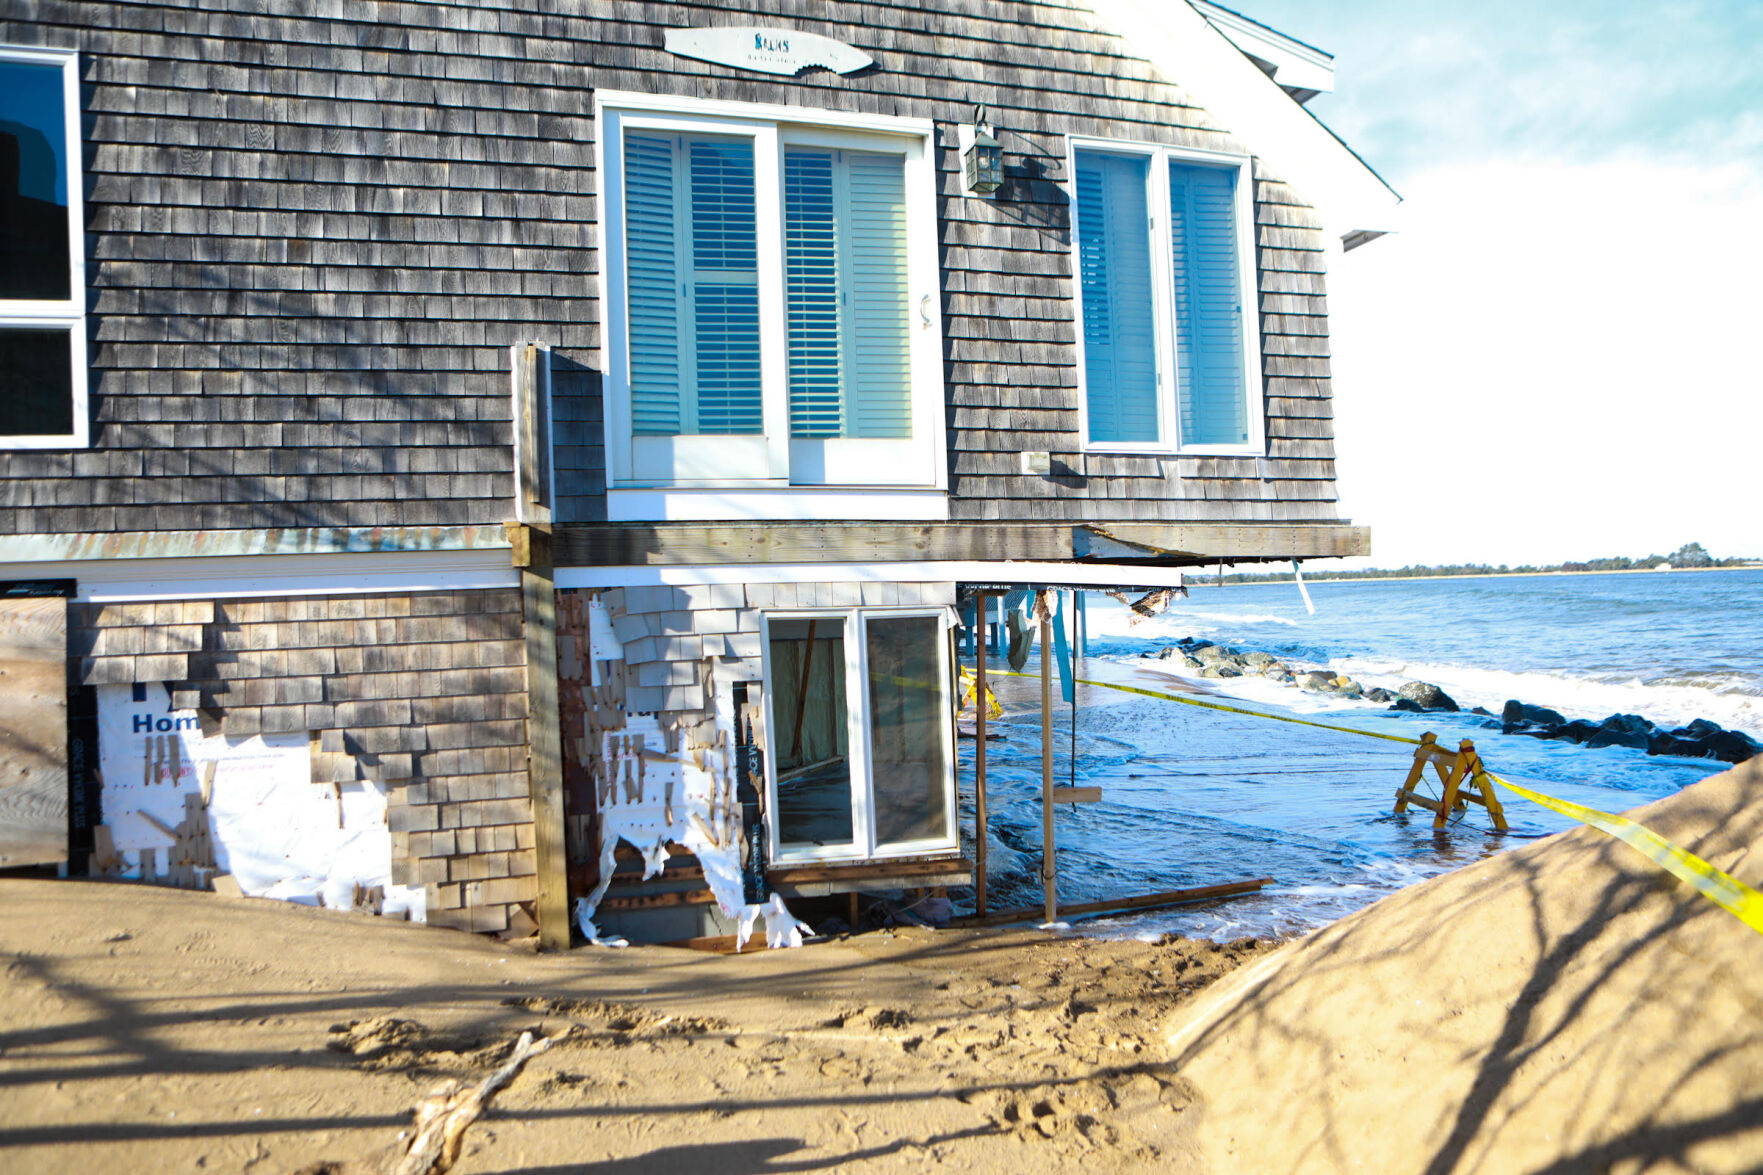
1348 688
1220 669
1409 705
1316 682
1217 655
1276 670
1577 731
1622 730
1378 694
1259 660
1427 696
1522 718
1702 739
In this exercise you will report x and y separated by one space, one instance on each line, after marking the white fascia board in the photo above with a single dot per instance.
1295 65
106 580
1098 575
1192 54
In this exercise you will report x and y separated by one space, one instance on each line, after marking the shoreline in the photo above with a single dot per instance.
1325 578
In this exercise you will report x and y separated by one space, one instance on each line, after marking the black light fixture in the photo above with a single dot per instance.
984 158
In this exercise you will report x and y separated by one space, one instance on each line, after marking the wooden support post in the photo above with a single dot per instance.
1049 857
545 739
979 761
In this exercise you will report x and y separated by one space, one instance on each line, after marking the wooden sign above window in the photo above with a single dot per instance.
781 51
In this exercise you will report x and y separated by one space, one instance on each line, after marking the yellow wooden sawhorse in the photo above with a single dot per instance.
1465 782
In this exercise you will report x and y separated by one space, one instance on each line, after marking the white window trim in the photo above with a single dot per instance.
863 847
771 127
1163 291
796 504
70 314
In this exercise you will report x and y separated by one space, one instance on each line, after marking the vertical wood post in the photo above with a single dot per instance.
544 735
979 755
1049 859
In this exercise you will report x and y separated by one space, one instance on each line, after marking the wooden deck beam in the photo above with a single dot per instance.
628 544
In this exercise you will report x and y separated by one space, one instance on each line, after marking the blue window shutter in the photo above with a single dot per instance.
1208 306
845 283
811 279
724 288
692 285
881 392
652 285
1114 276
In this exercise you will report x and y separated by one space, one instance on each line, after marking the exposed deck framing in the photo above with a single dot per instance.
1161 544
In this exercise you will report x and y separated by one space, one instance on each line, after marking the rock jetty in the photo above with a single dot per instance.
1701 739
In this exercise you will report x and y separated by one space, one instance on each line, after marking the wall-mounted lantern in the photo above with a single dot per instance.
982 157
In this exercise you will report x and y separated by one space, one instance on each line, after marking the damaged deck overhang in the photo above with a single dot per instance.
1160 544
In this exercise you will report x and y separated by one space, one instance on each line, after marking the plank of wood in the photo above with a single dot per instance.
1153 901
1049 858
33 731
672 899
1077 795
545 751
641 543
979 754
1208 542
868 870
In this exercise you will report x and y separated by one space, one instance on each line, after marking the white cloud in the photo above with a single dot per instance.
1554 361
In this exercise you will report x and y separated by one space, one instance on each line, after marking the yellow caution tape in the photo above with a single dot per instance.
1151 693
1723 889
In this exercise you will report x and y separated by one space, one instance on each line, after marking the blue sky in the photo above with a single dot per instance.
1423 83
1565 318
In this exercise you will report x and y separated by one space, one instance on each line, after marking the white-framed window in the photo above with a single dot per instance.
42 251
862 759
1164 260
771 293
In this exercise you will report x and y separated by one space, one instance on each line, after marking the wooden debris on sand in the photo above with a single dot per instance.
442 1119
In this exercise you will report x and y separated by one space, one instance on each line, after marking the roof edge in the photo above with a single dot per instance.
1177 40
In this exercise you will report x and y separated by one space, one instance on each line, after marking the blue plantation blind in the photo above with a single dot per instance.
1114 276
1208 305
692 285
845 285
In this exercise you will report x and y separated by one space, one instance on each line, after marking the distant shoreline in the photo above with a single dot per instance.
1326 578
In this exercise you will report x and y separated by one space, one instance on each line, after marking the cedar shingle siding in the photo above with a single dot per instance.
311 238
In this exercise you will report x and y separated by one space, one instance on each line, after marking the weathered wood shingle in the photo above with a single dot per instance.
313 230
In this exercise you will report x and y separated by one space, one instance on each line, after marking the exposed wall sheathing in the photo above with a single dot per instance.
424 694
313 230
679 646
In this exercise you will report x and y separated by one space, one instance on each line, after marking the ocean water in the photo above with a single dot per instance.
1194 797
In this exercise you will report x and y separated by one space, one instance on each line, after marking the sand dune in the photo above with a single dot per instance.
1563 1007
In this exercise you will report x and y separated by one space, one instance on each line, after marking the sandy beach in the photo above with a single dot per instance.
159 1030
1565 1006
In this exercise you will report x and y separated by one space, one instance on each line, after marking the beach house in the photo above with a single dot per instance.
454 452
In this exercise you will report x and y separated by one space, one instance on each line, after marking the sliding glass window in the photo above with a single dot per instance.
1165 330
862 763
